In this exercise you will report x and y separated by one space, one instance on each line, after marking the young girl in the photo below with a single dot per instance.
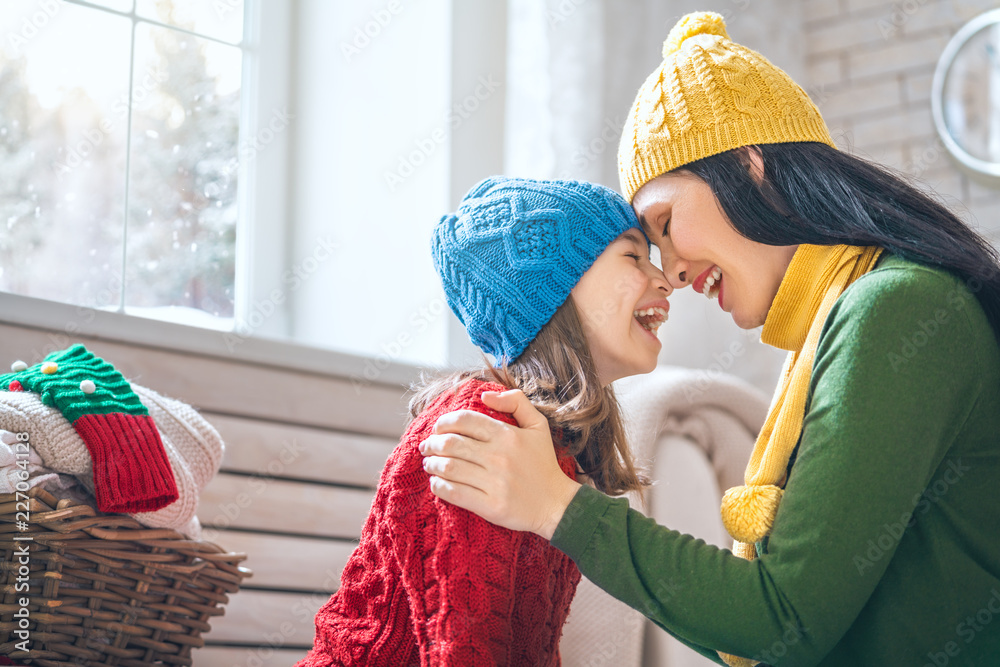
553 279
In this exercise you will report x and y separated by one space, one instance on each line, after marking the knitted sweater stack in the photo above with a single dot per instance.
432 584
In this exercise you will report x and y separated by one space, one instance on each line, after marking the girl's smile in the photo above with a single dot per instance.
651 315
622 302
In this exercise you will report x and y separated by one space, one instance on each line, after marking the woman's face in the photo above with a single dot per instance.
622 301
699 247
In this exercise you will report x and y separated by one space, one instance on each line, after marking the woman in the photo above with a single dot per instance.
868 530
553 278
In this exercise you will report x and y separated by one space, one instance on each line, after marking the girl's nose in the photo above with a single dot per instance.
659 281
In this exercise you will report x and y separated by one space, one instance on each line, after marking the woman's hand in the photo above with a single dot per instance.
508 475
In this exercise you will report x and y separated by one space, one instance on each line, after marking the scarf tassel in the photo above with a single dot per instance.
748 511
737 661
815 278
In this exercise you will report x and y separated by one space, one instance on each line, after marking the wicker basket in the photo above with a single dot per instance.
104 589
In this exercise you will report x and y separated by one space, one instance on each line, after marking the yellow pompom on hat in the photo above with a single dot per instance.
708 96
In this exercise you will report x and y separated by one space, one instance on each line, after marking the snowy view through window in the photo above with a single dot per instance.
115 195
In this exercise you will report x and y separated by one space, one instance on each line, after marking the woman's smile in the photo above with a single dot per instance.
709 283
682 216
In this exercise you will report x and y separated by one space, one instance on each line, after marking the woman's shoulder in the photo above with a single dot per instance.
908 304
897 274
900 285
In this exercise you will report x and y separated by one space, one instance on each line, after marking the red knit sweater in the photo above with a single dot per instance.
432 584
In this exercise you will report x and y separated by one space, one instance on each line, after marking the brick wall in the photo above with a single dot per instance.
869 68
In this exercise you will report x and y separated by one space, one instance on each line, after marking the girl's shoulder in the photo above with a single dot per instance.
406 459
466 395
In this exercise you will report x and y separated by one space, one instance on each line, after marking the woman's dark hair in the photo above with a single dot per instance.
813 193
557 374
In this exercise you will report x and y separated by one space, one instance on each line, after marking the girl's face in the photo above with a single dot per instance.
622 301
699 247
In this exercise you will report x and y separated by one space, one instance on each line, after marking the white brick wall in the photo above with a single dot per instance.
858 6
817 10
899 53
826 71
869 65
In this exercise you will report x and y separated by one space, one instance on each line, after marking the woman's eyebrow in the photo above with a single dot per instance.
645 224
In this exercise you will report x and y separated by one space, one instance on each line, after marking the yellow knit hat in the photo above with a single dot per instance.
710 95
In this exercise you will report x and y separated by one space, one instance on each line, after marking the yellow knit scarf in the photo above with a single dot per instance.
816 277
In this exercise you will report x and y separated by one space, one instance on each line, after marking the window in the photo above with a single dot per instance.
259 170
119 154
371 155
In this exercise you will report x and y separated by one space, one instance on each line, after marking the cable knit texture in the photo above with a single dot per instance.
50 434
708 96
510 255
193 448
432 584
131 472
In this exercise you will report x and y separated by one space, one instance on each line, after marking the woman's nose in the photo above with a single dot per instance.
675 270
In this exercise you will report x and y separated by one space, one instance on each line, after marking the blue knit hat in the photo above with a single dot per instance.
510 255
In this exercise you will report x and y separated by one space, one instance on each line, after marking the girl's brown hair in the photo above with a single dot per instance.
557 374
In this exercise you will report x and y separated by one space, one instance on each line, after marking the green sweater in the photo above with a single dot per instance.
886 547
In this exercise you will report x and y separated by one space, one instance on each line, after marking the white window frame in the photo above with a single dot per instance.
476 148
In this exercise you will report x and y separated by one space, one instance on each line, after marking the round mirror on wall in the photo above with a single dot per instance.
965 97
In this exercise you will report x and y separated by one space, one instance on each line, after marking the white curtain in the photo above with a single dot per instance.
574 67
